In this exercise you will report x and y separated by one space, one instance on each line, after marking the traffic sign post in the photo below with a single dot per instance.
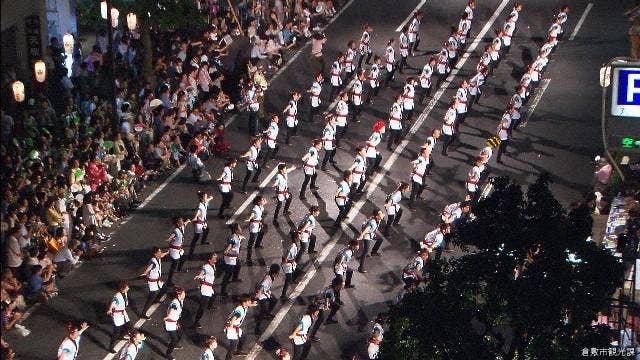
622 76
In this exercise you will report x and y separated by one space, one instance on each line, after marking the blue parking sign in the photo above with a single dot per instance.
626 92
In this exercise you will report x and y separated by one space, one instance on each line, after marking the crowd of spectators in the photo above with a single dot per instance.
69 174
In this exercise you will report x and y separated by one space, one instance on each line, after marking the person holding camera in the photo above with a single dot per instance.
317 59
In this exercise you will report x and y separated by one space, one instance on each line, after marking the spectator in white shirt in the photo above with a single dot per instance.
12 250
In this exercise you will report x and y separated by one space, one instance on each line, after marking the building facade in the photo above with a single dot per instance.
27 27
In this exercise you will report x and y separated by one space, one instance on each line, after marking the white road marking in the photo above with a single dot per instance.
536 99
421 4
582 18
328 247
162 186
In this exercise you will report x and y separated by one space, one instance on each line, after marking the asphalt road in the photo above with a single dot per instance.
561 137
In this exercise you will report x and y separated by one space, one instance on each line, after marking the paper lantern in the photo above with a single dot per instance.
132 21
103 9
605 76
67 42
18 91
40 71
114 17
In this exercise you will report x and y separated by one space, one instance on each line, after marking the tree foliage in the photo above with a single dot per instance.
163 15
475 306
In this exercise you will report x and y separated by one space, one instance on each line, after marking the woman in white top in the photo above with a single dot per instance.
390 61
425 79
153 274
225 180
172 321
253 167
231 253
133 346
289 264
209 345
329 140
302 331
70 346
205 278
448 127
118 312
291 116
256 227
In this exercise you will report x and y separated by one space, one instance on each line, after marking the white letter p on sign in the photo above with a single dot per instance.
631 86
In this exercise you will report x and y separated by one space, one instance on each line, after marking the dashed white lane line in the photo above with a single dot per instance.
581 21
544 83
421 4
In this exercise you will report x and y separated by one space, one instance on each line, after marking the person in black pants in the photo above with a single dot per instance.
335 77
225 180
368 235
266 300
282 191
206 276
374 79
329 141
449 128
341 265
231 253
200 228
392 204
252 162
233 329
271 140
365 49
418 177
314 96
289 264
327 300
256 227
152 273
172 321
301 332
175 247
390 62
118 312
310 160
341 197
395 123
305 229
357 95
253 107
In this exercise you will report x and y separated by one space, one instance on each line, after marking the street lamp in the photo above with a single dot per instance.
67 42
18 91
132 21
114 17
40 71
